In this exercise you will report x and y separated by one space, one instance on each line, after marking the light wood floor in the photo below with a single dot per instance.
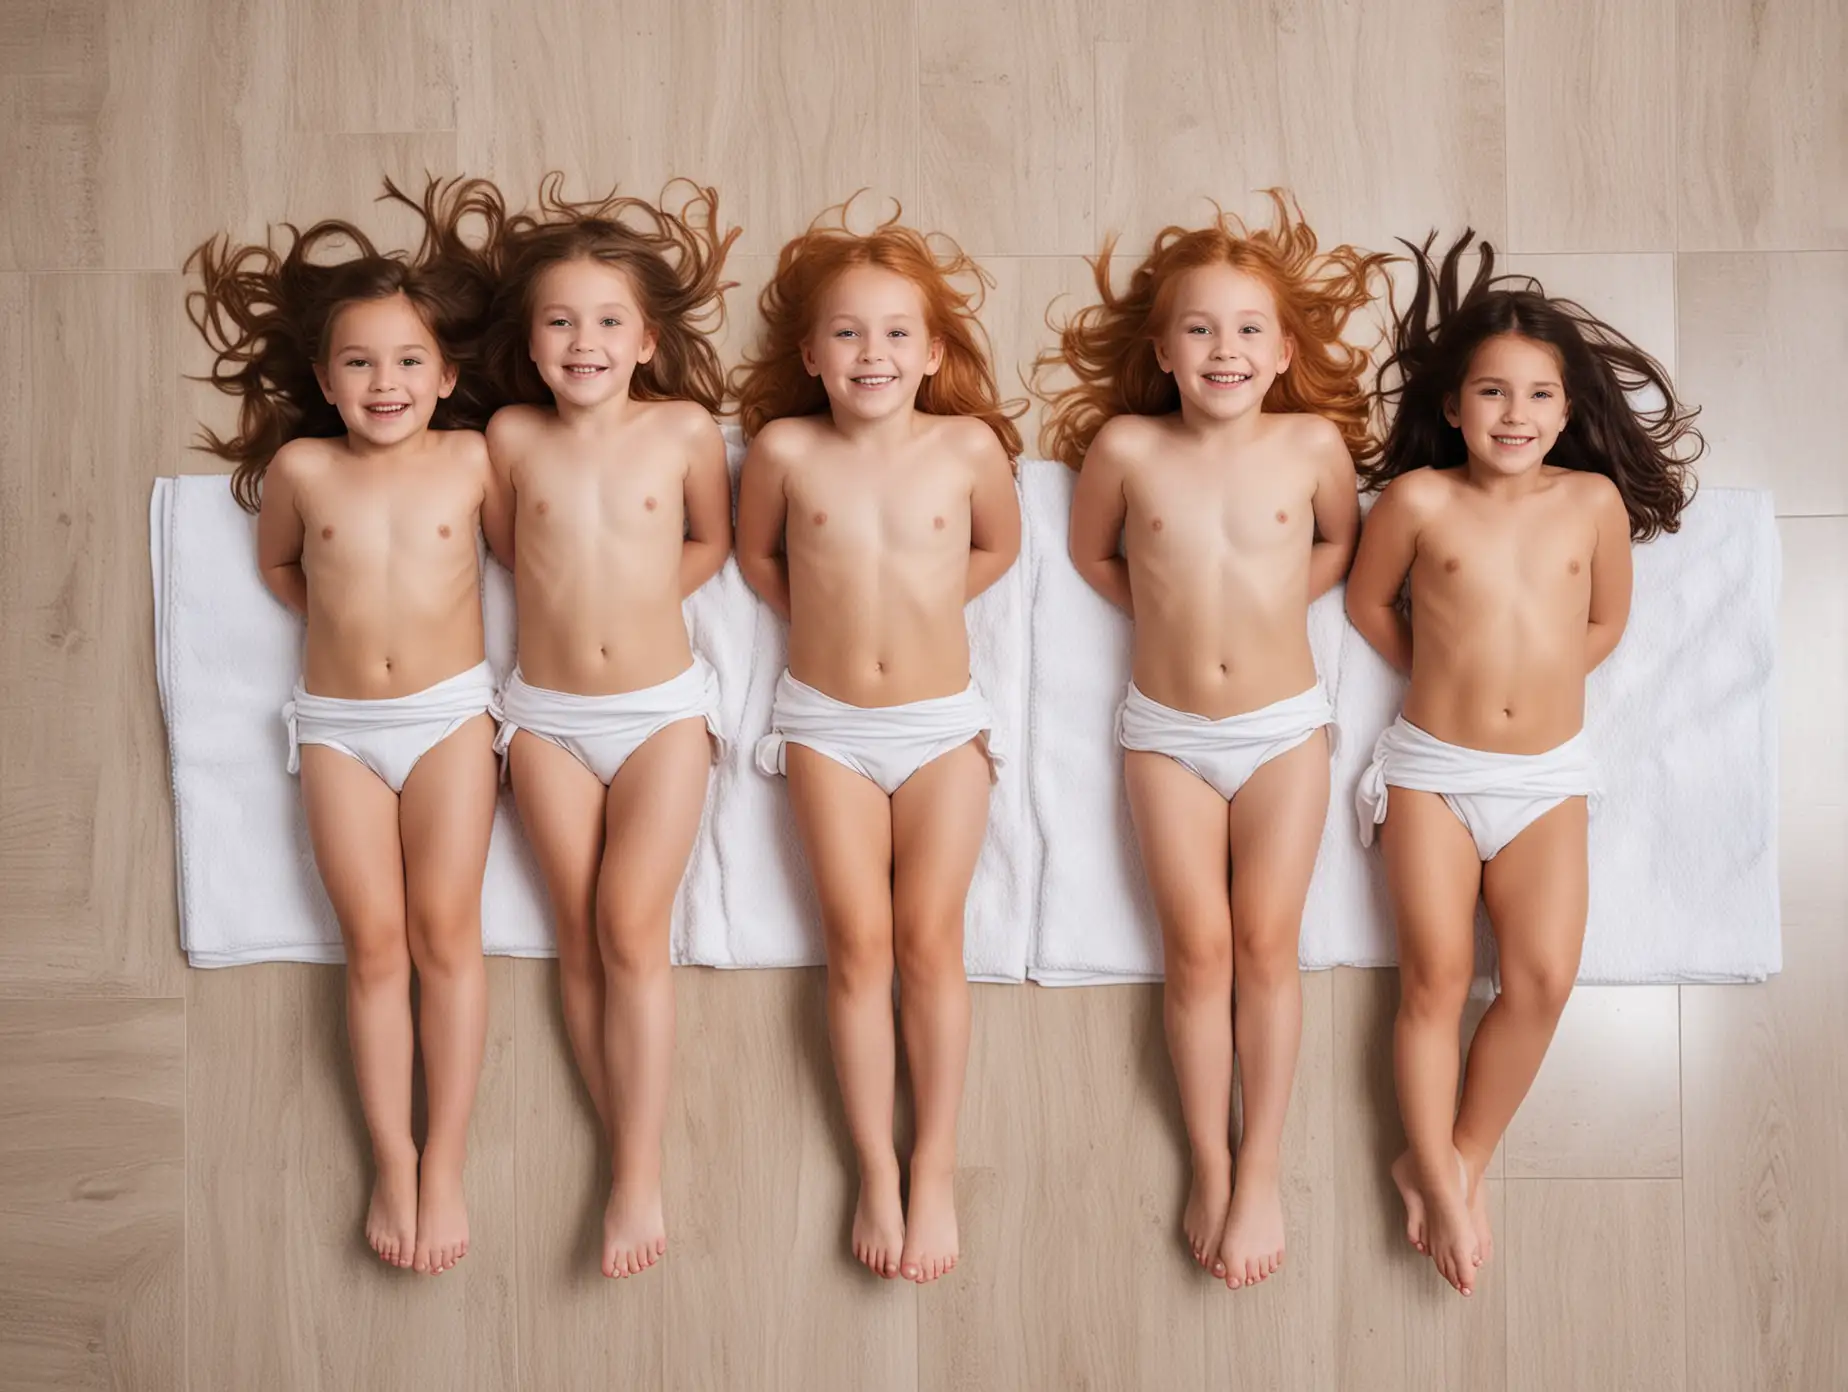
181 1161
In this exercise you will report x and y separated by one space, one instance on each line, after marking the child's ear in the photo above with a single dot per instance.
1451 412
935 360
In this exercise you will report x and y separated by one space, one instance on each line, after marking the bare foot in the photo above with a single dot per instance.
879 1221
1479 1219
1252 1248
1204 1219
1405 1175
442 1216
391 1217
930 1226
1451 1233
634 1232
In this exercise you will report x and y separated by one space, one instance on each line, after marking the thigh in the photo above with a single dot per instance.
1536 890
353 826
561 807
446 813
939 817
1435 877
1274 830
651 817
1181 826
845 824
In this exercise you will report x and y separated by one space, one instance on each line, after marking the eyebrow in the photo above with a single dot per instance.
1503 381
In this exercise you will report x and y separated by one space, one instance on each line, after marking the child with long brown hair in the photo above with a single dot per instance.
877 498
358 447
1519 468
613 505
1214 424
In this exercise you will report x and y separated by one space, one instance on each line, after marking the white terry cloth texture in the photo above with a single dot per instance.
1682 719
1682 723
228 656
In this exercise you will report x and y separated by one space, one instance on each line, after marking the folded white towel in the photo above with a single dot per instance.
228 655
1682 719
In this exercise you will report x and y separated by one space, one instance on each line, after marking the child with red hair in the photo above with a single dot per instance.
1214 423
876 499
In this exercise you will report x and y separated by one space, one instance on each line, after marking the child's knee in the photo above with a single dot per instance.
1540 987
632 942
929 950
860 962
379 957
1434 991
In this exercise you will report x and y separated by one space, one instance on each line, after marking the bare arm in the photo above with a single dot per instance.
497 506
994 516
279 538
1610 579
1099 506
1336 505
1388 545
763 507
708 505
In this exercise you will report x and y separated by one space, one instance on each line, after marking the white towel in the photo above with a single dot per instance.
1682 718
755 904
1096 920
228 655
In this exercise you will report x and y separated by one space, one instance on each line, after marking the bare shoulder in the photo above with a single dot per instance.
512 428
1418 495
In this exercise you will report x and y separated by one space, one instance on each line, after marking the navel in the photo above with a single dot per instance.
443 530
327 534
1453 565
650 504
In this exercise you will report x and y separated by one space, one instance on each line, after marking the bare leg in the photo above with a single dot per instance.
446 813
845 822
1432 868
939 815
1275 826
353 825
654 807
561 806
1536 891
1181 824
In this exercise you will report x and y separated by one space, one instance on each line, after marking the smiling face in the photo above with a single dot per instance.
588 332
383 371
1223 341
1512 404
871 344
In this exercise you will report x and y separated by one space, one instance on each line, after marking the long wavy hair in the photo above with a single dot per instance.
1110 346
773 383
1645 447
266 314
673 256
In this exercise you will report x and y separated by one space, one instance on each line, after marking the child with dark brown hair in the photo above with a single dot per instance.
1521 464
